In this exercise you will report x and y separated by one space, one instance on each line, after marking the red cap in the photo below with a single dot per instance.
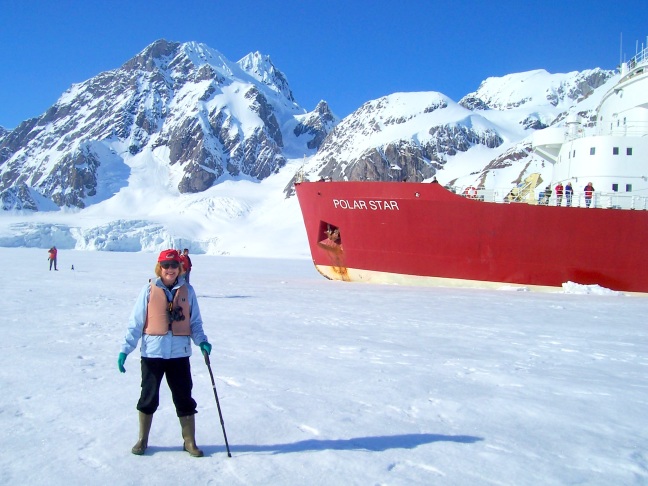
169 254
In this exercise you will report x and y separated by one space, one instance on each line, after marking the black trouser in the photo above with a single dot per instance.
178 376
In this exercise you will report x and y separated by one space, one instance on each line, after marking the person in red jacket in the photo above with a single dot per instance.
589 192
52 257
559 193
186 263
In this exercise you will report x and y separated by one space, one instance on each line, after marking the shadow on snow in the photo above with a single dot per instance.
224 296
376 444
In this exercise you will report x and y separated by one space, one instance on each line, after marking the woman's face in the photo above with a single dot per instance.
169 271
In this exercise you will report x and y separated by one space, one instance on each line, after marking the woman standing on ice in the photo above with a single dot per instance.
166 316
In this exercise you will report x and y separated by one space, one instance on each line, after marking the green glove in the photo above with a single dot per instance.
205 347
120 362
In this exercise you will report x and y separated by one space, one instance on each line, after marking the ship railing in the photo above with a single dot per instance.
523 192
601 200
608 200
491 195
627 129
612 200
640 57
620 129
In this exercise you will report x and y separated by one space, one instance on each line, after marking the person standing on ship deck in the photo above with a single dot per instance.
589 192
547 195
569 191
559 193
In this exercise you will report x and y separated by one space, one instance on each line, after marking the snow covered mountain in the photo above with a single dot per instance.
414 136
186 105
182 147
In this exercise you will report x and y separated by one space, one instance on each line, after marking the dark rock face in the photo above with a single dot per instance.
473 103
318 124
18 197
533 123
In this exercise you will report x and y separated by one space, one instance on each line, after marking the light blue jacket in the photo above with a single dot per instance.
167 346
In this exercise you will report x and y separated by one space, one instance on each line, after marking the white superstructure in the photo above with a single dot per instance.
612 151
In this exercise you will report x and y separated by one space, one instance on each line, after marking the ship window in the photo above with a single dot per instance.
628 187
615 150
615 187
629 151
592 150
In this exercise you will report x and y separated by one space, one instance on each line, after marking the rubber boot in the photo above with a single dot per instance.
144 429
188 424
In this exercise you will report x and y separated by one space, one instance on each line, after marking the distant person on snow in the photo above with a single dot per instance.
186 263
52 252
167 318
589 192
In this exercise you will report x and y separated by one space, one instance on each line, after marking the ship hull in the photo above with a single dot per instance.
416 233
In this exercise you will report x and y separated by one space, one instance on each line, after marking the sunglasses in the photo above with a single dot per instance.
167 265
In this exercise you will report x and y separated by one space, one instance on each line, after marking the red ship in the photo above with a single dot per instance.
423 233
411 233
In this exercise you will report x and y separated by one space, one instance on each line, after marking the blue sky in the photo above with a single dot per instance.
345 52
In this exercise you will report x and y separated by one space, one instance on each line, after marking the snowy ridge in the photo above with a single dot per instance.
539 88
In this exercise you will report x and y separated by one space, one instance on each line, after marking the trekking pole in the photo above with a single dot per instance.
220 414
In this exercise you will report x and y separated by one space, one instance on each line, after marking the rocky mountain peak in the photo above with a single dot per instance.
318 123
261 68
182 105
153 56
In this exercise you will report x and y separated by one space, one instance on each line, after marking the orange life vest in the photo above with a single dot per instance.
158 316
